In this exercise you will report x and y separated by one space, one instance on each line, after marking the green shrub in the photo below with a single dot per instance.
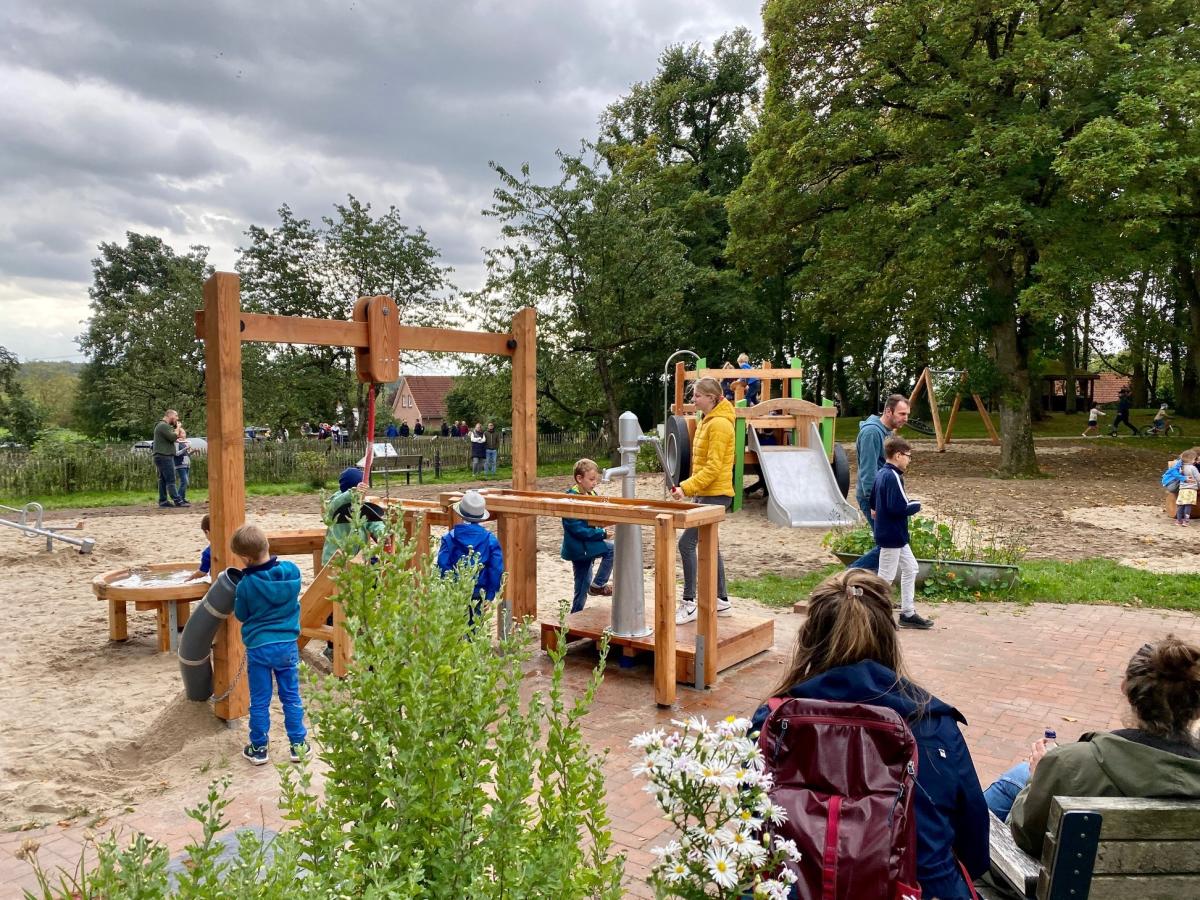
441 782
934 539
315 467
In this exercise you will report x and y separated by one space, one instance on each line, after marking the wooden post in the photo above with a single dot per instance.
739 459
226 468
505 535
934 414
680 393
953 415
522 562
987 420
706 599
664 611
343 644
118 620
796 392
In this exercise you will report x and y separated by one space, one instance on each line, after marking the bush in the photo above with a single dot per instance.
315 466
934 539
441 782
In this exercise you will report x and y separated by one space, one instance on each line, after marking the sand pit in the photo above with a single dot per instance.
93 726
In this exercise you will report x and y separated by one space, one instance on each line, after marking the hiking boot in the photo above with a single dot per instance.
256 756
600 590
915 621
724 607
299 751
685 612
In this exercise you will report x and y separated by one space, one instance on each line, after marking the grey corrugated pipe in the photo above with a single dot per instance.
195 645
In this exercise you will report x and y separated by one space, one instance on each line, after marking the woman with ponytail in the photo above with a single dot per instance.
1158 757
848 650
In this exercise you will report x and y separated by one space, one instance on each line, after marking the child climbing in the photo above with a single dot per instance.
1093 426
752 384
892 510
267 604
583 544
469 541
342 532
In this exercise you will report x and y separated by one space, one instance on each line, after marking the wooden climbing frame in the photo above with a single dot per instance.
925 383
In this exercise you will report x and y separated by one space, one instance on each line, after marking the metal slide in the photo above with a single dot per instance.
802 491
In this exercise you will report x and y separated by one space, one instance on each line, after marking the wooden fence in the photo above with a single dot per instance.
72 469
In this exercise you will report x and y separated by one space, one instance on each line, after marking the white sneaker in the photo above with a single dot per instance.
724 607
685 612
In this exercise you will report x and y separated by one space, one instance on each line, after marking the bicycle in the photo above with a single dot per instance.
1169 429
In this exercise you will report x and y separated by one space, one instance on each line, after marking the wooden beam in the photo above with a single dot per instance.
727 374
337 333
953 415
596 509
664 610
706 598
522 567
934 414
987 420
226 470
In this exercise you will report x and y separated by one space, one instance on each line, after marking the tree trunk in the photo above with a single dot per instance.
1011 348
612 413
1070 384
1137 344
1187 280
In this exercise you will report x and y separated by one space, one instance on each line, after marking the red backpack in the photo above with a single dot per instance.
845 773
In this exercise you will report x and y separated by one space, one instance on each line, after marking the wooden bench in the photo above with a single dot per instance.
1106 848
405 464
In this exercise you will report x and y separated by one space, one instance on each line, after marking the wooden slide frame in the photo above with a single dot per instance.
377 337
925 383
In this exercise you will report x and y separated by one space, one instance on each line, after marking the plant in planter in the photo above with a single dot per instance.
954 555
440 781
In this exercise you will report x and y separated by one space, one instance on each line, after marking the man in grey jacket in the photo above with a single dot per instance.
868 449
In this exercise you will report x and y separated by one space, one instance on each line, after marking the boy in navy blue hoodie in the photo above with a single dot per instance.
268 606
470 540
892 509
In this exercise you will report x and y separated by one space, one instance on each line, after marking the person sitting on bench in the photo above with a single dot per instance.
1159 757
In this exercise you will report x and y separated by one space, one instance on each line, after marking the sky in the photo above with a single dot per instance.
194 121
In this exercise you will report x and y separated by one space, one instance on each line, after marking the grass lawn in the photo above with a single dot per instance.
91 499
1091 581
969 424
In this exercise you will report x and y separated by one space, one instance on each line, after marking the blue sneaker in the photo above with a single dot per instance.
256 756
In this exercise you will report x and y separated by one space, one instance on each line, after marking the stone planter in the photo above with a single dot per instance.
971 574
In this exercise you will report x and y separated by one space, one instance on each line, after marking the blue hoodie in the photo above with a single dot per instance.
458 543
892 507
952 817
868 450
268 603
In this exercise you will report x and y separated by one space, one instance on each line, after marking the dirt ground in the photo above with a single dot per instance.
92 726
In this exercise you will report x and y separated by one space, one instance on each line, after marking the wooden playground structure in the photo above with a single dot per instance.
378 337
925 383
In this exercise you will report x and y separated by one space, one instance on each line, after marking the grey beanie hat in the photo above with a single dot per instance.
472 507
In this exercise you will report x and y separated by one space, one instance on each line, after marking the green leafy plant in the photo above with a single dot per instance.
951 539
315 467
441 781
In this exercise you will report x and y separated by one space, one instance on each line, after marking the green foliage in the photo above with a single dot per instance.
441 782
933 539
53 386
20 416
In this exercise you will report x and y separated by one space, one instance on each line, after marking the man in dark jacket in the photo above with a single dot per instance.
1124 405
165 435
492 445
868 451
952 818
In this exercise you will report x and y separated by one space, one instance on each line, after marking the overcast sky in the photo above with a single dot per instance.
193 121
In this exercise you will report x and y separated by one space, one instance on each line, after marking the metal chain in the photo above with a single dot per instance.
233 684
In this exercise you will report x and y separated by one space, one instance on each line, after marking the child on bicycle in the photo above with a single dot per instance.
1161 421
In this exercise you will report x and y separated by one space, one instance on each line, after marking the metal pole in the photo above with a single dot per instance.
629 600
666 379
85 545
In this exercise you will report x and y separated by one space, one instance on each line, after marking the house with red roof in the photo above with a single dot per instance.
422 397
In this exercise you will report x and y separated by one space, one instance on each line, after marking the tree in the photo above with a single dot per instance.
21 415
298 269
937 130
143 356
606 271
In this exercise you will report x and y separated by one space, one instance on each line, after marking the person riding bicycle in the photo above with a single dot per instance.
1161 421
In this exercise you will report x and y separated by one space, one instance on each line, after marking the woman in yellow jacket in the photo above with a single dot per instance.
711 482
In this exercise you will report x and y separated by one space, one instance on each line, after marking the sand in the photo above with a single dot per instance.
92 726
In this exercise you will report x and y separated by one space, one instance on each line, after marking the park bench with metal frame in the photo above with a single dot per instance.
406 464
1104 848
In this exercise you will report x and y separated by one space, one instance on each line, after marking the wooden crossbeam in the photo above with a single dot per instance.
607 510
334 333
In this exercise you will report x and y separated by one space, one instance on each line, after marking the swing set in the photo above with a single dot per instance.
925 383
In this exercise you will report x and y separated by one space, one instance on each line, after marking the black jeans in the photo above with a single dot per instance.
1123 417
166 477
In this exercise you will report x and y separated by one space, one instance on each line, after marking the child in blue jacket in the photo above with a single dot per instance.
469 539
892 510
583 544
267 604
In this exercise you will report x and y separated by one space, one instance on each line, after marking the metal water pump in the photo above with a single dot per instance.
629 600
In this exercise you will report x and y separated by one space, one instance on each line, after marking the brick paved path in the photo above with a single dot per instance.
1011 670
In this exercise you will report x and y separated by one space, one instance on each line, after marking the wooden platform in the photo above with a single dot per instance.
739 637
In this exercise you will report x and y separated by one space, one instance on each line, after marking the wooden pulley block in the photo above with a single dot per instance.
379 361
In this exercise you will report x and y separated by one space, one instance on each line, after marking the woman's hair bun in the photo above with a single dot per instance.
1175 660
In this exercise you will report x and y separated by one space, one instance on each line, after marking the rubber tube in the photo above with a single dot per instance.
195 645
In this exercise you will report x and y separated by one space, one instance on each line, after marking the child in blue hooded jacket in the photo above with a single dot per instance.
583 543
469 539
267 604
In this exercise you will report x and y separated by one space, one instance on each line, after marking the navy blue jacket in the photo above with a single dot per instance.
466 540
892 507
267 603
580 540
952 817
